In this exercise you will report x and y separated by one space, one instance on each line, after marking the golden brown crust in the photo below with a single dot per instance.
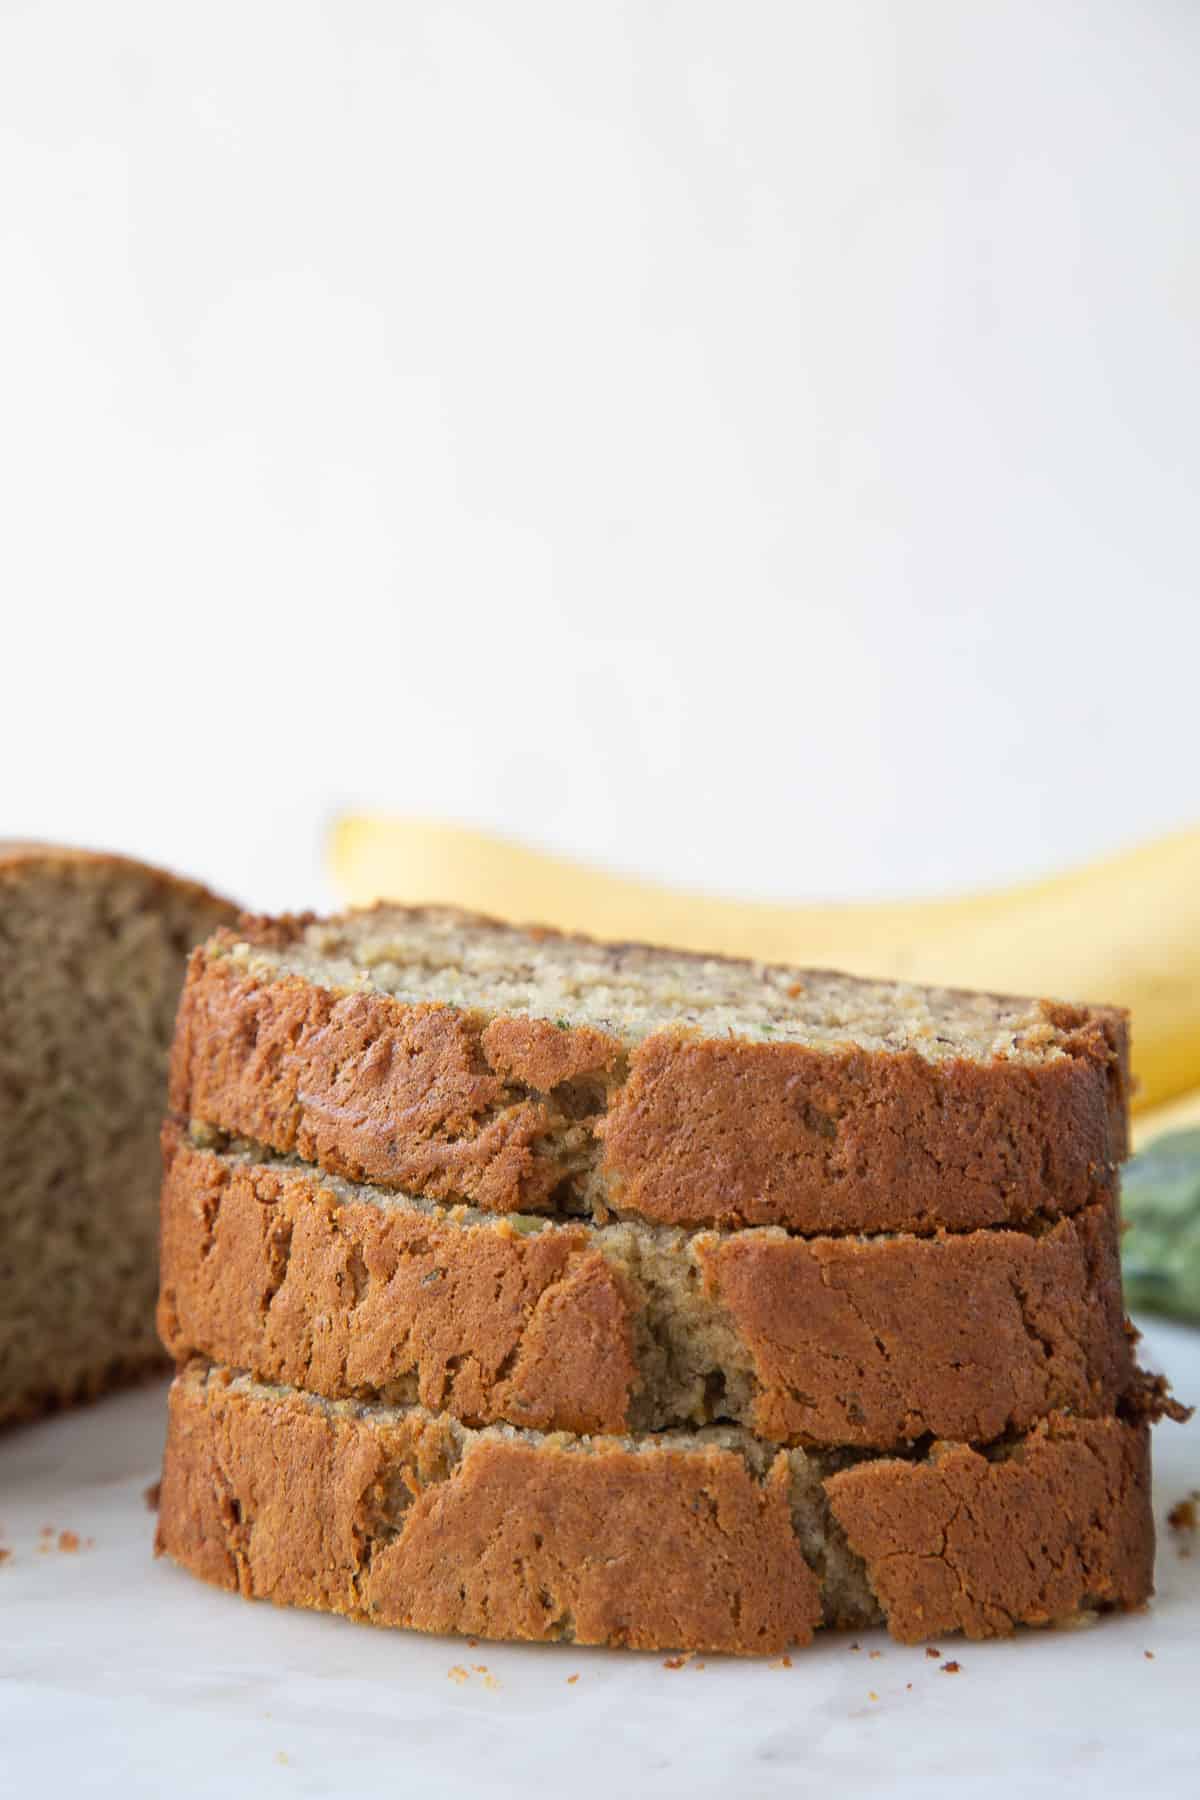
262 1267
844 1341
399 1519
765 1134
446 1102
959 1543
541 1055
517 1540
881 1342
360 1085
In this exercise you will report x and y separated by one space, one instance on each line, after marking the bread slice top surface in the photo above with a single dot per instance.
441 955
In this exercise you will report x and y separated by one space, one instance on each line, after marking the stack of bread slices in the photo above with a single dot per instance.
534 1288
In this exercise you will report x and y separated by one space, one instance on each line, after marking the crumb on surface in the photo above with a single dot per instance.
4 1555
856 1646
1149 1655
931 1653
472 1643
1182 1516
571 1680
951 1668
875 1655
676 1662
782 1662
153 1495
68 1540
461 1673
871 1694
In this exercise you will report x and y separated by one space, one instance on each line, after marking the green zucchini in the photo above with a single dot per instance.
1160 1250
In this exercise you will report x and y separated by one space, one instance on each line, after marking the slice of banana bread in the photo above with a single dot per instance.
704 1541
525 1071
355 1292
92 956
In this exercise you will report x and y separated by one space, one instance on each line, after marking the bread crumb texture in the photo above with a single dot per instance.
92 956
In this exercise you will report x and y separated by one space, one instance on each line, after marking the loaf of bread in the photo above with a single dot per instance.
445 1055
559 1324
679 1541
92 957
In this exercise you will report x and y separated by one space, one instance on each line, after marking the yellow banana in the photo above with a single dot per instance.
1181 1114
1124 930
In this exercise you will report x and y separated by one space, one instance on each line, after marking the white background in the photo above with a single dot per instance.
752 444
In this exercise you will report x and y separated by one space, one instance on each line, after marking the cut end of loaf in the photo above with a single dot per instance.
93 950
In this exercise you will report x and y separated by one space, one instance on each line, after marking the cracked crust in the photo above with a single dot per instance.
515 1113
960 1543
710 1542
351 1292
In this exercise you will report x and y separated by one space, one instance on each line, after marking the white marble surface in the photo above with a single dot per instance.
121 1675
